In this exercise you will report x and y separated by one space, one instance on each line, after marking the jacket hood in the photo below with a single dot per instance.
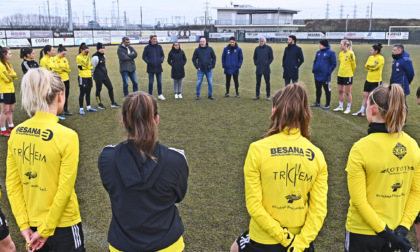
326 48
150 43
235 47
136 172
176 50
199 46
406 54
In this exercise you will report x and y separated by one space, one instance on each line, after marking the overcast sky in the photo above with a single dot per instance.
167 10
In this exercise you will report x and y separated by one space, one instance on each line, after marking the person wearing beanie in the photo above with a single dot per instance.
324 64
126 56
100 75
154 56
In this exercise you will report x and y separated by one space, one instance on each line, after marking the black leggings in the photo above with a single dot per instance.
235 79
107 82
67 85
327 88
85 85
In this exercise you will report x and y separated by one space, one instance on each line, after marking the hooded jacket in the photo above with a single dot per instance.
7 76
143 193
153 56
177 60
126 59
324 64
402 71
99 70
204 58
232 58
28 64
292 60
263 56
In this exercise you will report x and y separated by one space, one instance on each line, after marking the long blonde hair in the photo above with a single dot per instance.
291 109
39 88
348 44
391 104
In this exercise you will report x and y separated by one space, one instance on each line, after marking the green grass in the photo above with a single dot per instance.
215 136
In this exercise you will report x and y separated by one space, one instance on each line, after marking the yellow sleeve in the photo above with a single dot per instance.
413 203
85 64
356 180
67 66
15 190
67 179
4 74
379 64
53 65
253 198
317 210
43 63
353 62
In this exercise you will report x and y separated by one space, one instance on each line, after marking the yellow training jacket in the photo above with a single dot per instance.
42 162
347 64
63 67
6 78
85 65
48 63
280 171
383 174
374 66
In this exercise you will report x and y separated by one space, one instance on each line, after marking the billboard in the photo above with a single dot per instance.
64 38
116 36
18 43
221 35
18 34
335 35
316 35
354 35
83 36
3 42
2 34
41 42
397 35
41 34
134 36
103 37
374 35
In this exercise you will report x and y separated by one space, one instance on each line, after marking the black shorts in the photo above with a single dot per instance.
245 244
69 239
85 82
370 86
417 220
8 98
365 243
4 227
344 80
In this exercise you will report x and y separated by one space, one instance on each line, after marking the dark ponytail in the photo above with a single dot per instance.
61 48
44 50
3 52
377 47
25 51
82 47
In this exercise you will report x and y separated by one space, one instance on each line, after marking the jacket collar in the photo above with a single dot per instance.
377 128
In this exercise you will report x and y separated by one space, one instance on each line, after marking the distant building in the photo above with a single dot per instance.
249 18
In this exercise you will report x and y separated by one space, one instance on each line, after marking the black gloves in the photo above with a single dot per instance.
401 230
397 242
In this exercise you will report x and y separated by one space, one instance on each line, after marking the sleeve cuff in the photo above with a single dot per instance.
44 231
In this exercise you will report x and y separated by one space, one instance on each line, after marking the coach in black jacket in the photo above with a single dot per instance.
263 56
153 56
204 60
292 59
126 55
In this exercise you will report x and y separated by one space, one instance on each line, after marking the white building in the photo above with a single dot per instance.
248 18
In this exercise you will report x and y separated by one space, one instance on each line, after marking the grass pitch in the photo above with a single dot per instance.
215 136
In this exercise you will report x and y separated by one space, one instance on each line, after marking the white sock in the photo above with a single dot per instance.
87 107
3 128
340 104
363 109
81 109
11 125
348 105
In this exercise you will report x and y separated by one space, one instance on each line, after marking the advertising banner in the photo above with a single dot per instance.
134 36
116 37
18 43
64 41
18 34
316 35
172 33
194 38
221 35
335 35
281 35
147 34
78 41
300 35
103 37
397 35
41 34
68 34
161 33
144 40
3 42
354 35
184 36
196 33
2 34
83 37
374 35
41 42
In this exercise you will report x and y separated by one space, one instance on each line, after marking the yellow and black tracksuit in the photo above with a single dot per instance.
280 172
347 64
7 76
383 174
42 163
48 63
374 66
85 77
63 69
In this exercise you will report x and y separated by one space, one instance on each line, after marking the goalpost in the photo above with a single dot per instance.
400 35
